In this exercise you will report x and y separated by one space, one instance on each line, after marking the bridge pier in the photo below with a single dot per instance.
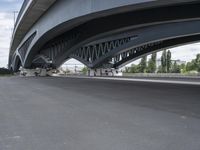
104 72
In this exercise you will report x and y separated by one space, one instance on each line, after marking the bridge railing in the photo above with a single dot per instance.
24 5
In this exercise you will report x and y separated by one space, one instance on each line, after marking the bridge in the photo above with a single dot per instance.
99 33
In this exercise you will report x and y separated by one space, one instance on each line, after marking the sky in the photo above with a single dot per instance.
7 7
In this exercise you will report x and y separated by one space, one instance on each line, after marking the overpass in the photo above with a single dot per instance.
99 33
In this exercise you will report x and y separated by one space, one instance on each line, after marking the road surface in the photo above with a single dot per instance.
91 114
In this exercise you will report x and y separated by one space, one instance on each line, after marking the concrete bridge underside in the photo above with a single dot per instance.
100 33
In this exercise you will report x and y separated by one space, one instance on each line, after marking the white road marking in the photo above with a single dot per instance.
150 80
143 80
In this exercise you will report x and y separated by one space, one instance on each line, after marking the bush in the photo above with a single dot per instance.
4 71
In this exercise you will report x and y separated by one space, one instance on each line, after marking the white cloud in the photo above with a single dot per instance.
186 53
6 25
8 0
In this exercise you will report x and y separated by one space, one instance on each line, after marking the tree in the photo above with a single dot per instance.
164 61
152 64
143 65
159 69
183 68
5 71
134 68
197 62
84 70
127 70
191 66
194 65
176 68
168 61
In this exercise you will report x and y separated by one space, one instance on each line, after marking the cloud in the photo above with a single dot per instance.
187 52
6 25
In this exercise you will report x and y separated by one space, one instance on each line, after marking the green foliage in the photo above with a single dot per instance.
127 70
168 61
4 71
164 61
194 65
134 68
166 65
84 70
197 62
143 65
176 68
183 68
152 64
190 66
160 69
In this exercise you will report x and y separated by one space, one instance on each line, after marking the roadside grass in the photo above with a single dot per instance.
6 75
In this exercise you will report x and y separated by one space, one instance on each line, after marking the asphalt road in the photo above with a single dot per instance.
91 114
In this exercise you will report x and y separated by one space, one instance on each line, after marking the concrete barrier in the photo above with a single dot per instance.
157 75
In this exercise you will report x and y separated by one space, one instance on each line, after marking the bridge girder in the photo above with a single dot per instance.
122 49
125 32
